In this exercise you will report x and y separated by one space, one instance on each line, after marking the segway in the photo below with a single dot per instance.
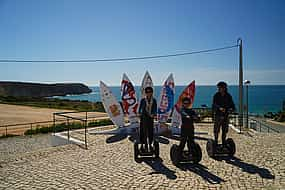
193 156
139 154
216 150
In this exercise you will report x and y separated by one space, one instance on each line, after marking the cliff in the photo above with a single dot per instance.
41 90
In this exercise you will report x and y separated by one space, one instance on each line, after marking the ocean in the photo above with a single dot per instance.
262 98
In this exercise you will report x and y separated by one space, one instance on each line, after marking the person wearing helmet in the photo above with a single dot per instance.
188 116
147 112
222 105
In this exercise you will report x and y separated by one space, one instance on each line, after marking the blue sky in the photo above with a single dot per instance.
66 30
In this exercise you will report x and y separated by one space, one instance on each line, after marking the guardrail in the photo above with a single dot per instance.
253 123
21 128
68 117
260 126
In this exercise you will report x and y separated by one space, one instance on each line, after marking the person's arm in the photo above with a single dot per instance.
194 115
183 113
141 107
215 106
154 108
232 104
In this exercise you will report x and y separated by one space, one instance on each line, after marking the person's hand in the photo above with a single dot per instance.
153 116
222 109
188 116
196 117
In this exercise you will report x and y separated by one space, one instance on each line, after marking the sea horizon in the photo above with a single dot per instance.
261 98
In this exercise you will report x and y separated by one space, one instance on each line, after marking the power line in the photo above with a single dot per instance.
118 59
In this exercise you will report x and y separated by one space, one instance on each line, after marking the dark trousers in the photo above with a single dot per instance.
146 130
221 122
187 135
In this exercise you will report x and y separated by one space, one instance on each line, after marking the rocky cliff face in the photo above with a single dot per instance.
41 90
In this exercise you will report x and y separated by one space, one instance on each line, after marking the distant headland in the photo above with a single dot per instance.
41 90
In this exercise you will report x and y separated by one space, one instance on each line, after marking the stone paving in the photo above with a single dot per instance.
258 164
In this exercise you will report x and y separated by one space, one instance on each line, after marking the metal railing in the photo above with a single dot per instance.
21 128
67 118
85 118
261 126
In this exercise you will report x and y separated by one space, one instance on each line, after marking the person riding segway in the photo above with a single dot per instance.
147 112
222 105
194 153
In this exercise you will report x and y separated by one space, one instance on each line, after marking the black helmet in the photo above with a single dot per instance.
186 99
148 89
222 84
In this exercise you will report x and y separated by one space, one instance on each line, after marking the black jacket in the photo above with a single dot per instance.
188 116
142 107
220 101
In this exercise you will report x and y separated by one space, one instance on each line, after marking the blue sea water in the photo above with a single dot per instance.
262 98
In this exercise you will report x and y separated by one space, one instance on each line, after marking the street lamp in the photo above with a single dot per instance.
239 43
246 82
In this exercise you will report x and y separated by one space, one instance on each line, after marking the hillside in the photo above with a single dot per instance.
41 90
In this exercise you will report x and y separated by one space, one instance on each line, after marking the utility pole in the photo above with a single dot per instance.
239 41
247 83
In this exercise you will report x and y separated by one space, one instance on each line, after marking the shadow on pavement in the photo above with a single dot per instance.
159 168
250 168
201 170
162 140
116 138
178 138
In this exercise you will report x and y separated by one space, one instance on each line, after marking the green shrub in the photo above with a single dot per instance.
280 117
8 135
64 127
100 123
78 105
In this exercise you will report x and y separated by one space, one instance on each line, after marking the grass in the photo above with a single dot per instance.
64 127
78 105
7 136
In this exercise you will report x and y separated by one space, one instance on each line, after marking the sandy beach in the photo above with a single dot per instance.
14 114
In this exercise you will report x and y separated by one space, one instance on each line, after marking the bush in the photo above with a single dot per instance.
280 117
8 135
100 123
270 115
78 105
64 127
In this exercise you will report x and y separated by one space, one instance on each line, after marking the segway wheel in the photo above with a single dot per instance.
174 154
197 154
136 152
231 146
156 149
211 148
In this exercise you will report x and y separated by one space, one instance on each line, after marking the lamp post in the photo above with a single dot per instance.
246 82
239 42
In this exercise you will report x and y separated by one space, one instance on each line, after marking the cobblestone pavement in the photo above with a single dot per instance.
258 164
22 144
